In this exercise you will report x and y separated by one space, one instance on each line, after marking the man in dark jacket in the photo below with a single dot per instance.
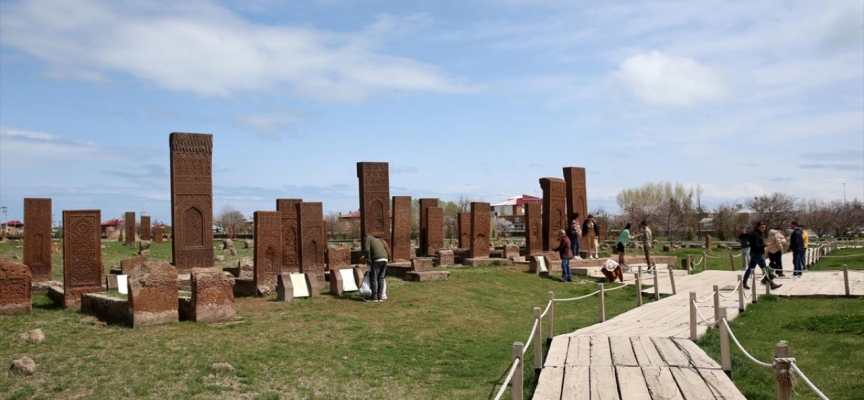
757 256
566 254
375 253
796 246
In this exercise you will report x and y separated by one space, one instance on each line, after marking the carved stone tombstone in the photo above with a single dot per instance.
480 229
37 238
15 288
533 228
268 250
290 234
400 244
423 237
145 227
153 297
157 235
464 227
212 295
338 257
709 242
312 244
374 199
554 213
577 195
82 255
192 200
434 230
129 224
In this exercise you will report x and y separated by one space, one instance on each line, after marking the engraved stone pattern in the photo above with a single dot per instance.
15 288
554 213
533 228
464 226
212 295
37 238
127 265
311 226
434 230
191 200
290 242
480 213
145 227
82 255
374 199
577 195
157 233
129 223
268 250
400 244
423 241
338 257
153 294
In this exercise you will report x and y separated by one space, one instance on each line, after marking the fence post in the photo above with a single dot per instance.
693 316
638 291
601 302
740 294
538 346
672 279
753 288
846 279
704 260
550 318
725 356
716 305
731 261
656 286
519 375
767 285
783 371
689 264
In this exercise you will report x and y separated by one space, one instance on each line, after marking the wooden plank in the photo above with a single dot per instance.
720 384
550 383
661 384
622 351
557 352
646 353
600 353
604 385
631 383
696 355
577 383
691 384
579 352
670 352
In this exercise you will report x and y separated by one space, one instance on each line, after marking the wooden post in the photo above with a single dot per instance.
783 371
731 262
725 356
550 318
693 316
538 346
601 302
704 260
672 280
639 269
753 288
767 286
638 291
519 375
689 265
740 294
846 279
656 286
716 305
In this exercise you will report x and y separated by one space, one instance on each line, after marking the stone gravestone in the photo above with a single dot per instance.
709 241
533 228
157 235
268 250
423 239
374 199
153 297
434 230
577 196
129 223
312 245
463 225
82 255
37 238
212 296
400 244
290 234
15 288
338 257
192 200
554 214
127 265
145 227
480 229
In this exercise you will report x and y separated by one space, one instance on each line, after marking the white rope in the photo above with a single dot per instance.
700 314
579 298
747 296
548 305
732 335
531 336
733 292
736 255
713 257
710 296
617 287
807 381
699 262
846 256
507 381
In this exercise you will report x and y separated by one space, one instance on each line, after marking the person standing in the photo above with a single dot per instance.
806 237
566 253
591 232
775 246
647 237
575 234
376 252
744 238
621 244
796 246
757 257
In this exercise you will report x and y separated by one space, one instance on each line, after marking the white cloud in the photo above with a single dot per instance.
665 80
202 48
268 125
25 134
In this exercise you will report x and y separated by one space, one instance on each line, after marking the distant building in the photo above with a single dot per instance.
513 210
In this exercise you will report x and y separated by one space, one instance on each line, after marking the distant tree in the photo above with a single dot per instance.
819 216
336 227
231 220
776 210
728 218
850 217
668 207
503 226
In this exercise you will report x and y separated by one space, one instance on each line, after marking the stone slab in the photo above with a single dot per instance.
479 262
427 276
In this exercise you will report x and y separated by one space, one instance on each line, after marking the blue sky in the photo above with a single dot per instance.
477 98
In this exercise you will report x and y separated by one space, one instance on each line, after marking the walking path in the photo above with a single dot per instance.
646 353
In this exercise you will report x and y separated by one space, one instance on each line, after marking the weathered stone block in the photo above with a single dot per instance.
127 265
37 238
445 258
192 200
15 288
338 257
511 251
112 310
153 294
421 264
212 296
426 276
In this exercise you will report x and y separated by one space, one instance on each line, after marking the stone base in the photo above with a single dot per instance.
112 310
427 276
154 318
245 287
398 268
234 271
479 262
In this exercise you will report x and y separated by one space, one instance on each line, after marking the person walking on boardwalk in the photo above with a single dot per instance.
757 257
647 238
775 247
591 232
575 234
621 244
744 239
796 246
376 253
566 253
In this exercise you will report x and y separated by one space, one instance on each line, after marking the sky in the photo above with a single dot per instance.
476 98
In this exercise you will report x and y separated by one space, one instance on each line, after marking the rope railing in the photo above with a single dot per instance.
699 313
710 296
743 350
807 381
732 292
516 363
531 336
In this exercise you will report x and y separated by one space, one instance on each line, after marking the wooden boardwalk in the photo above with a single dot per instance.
646 353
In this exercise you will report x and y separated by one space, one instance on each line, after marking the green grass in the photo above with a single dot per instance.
852 258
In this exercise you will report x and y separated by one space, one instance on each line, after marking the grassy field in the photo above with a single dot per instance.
852 258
